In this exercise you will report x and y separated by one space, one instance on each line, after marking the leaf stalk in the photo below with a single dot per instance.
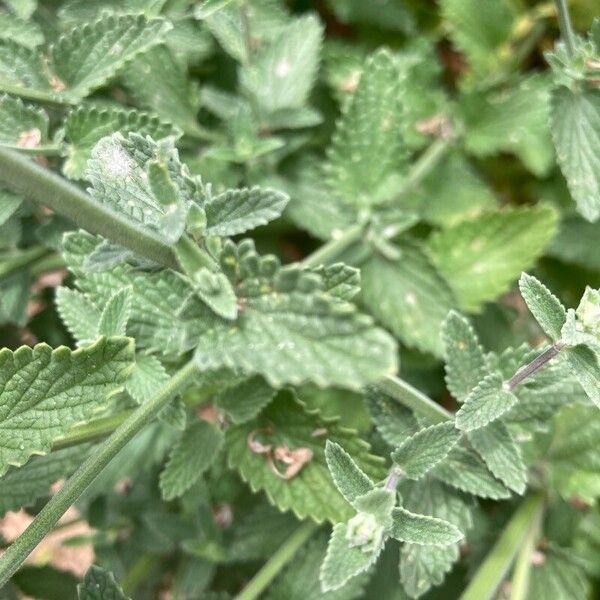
47 518
566 27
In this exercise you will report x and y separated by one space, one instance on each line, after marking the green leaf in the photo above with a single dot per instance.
282 72
340 280
147 375
14 298
245 400
574 242
559 576
350 481
465 361
114 317
421 529
17 29
311 491
90 54
237 211
208 7
9 203
366 146
393 421
144 181
544 306
378 502
495 444
408 296
514 120
298 581
99 584
464 470
342 562
80 316
21 125
193 454
480 30
156 301
22 67
422 567
486 403
585 367
160 83
481 257
319 339
85 126
422 451
54 389
23 486
576 133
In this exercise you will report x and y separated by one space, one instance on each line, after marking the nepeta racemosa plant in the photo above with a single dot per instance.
222 225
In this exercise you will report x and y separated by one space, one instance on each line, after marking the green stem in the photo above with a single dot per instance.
330 251
282 556
47 263
47 518
246 30
412 398
48 150
522 570
41 185
492 572
22 260
46 96
566 27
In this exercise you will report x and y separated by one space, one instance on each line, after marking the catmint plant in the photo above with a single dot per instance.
275 299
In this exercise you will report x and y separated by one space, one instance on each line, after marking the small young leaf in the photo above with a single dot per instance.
245 400
89 55
144 181
207 7
342 562
55 389
501 454
79 314
366 146
425 449
351 482
193 454
215 290
86 126
576 133
586 369
481 257
282 72
114 317
99 584
421 529
378 502
486 403
237 211
465 361
340 280
147 376
544 306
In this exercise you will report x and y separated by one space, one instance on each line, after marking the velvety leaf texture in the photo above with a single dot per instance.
426 448
347 476
21 125
544 306
99 584
43 392
311 492
319 338
421 529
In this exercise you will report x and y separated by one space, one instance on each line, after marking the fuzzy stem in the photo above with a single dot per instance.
282 556
412 398
494 568
47 518
393 479
46 150
566 27
330 251
533 366
24 176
